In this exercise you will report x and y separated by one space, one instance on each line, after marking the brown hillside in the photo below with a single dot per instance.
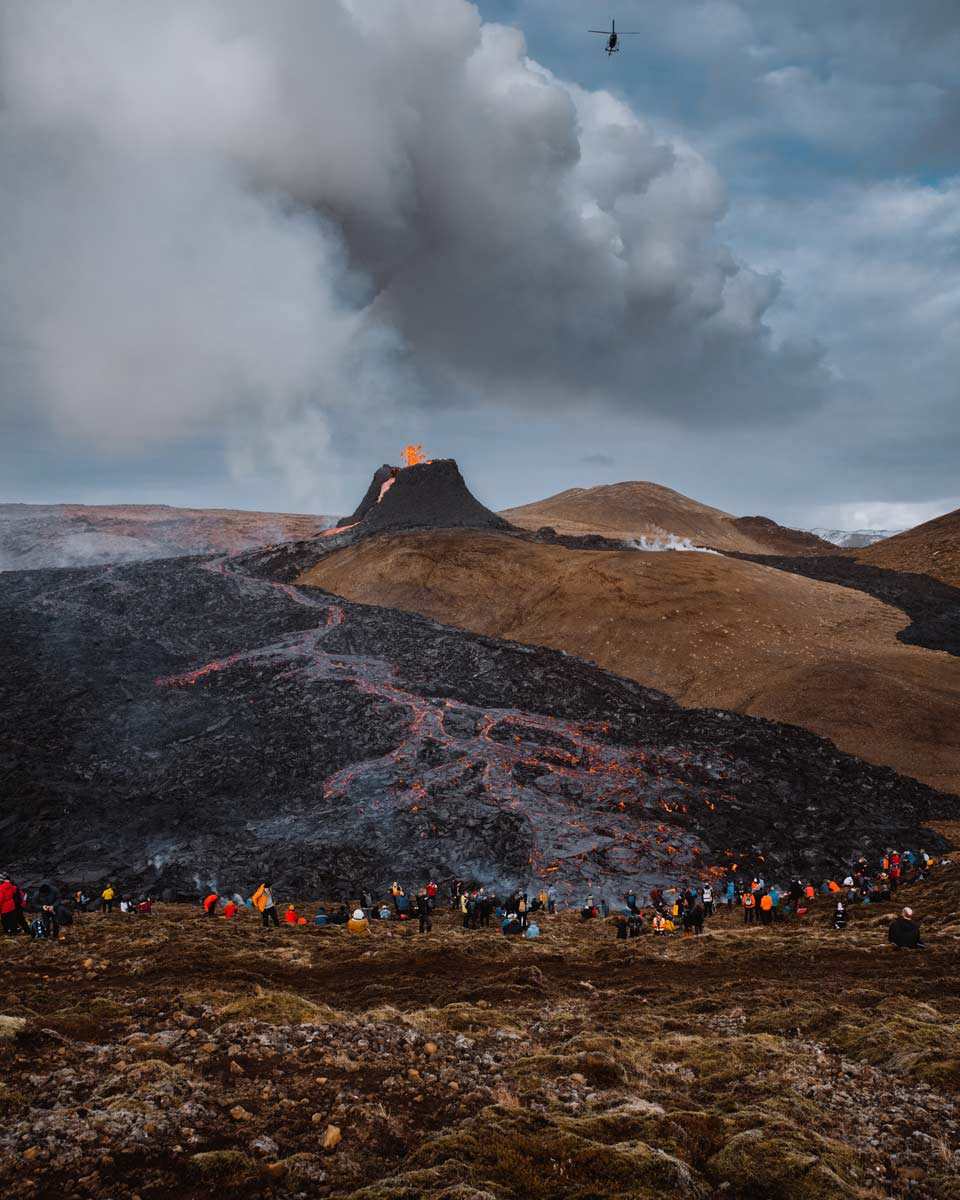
640 509
711 631
929 549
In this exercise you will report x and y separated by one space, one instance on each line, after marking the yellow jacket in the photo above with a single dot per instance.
107 893
261 898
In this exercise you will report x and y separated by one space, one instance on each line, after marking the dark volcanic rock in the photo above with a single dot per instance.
933 607
372 495
431 495
181 723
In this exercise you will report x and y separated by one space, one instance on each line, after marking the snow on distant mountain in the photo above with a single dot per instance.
853 539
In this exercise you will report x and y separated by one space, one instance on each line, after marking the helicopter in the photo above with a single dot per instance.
613 38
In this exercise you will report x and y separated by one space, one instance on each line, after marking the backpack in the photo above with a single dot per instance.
38 929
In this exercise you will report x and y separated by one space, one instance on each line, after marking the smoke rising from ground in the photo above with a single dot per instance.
668 541
244 222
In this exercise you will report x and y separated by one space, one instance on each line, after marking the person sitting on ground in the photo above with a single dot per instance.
321 917
210 904
384 913
145 907
662 924
511 924
290 916
532 930
623 931
904 932
635 924
840 916
358 924
230 909
46 925
588 912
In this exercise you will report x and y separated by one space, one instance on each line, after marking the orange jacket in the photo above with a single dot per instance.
809 891
833 885
290 917
766 903
210 901
229 908
748 900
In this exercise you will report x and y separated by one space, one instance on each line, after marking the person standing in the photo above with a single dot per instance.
263 902
108 896
749 907
423 912
8 906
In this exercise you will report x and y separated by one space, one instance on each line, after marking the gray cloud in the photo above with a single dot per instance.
249 222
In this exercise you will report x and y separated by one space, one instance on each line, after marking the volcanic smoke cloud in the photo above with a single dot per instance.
225 215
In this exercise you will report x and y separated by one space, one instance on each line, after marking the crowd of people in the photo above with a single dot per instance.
674 910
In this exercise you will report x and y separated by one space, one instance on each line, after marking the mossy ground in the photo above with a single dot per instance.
176 1057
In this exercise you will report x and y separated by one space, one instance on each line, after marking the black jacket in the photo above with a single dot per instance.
904 933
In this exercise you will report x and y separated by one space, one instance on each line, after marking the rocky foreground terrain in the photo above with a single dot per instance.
177 1057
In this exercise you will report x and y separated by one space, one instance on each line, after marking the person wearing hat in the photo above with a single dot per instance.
904 932
358 924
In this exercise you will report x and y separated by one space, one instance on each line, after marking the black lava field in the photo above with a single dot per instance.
185 722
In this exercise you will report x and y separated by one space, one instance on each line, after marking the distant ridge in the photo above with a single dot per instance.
638 508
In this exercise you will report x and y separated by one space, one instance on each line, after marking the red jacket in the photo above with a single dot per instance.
8 897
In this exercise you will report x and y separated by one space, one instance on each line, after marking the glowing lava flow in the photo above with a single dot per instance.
579 803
